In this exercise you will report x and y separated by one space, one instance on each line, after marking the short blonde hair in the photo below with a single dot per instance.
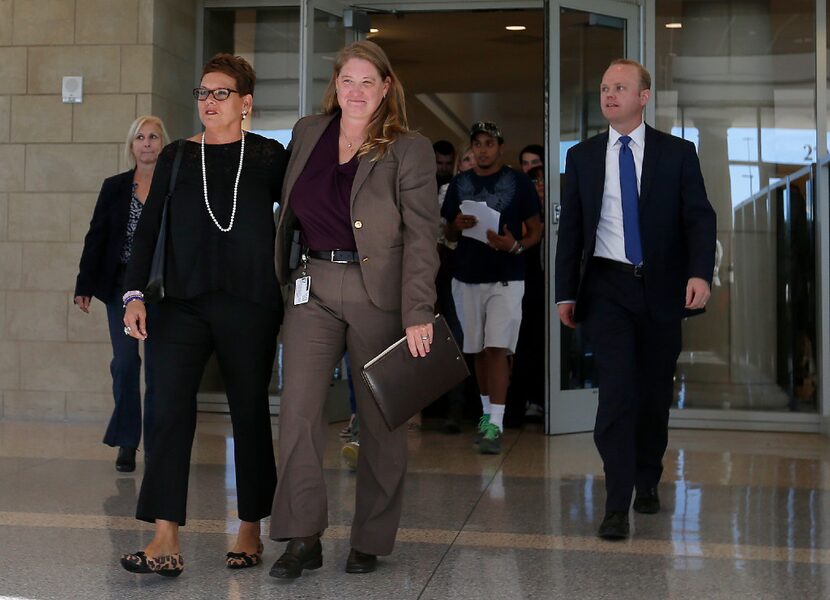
129 157
467 149
645 76
389 121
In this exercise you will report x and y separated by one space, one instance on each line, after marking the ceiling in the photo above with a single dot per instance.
459 67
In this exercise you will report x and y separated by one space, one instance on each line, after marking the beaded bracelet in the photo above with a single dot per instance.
130 296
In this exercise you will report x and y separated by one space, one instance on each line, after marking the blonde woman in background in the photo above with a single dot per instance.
107 249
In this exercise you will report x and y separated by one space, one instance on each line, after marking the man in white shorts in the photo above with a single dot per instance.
488 277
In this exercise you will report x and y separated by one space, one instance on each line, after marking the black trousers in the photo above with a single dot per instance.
635 359
244 336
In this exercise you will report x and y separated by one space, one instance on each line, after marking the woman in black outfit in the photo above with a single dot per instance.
107 249
221 295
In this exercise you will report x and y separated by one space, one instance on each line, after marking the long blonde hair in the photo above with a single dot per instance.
389 121
129 157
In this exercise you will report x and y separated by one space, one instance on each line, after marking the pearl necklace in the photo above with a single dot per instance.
235 185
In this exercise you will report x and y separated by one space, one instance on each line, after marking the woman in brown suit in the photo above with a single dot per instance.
360 188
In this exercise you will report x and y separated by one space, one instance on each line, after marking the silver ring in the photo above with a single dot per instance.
127 330
425 337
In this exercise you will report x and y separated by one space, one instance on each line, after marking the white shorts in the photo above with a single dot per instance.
490 314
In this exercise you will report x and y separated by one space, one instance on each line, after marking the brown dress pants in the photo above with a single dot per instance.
339 316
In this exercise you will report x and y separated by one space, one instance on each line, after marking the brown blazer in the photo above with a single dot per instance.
394 210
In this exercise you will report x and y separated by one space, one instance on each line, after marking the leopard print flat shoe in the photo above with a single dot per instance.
243 560
135 563
170 565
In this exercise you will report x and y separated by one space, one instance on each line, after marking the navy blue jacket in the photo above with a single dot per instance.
677 222
105 238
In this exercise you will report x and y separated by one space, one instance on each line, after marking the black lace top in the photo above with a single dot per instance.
132 223
200 257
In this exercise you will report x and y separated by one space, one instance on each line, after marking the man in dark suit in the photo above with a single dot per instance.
635 254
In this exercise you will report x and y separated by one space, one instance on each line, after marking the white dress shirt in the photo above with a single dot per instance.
610 232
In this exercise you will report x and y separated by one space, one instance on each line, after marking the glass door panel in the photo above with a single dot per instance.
591 35
268 38
588 42
755 349
329 38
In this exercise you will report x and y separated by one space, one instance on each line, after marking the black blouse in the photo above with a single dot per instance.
200 257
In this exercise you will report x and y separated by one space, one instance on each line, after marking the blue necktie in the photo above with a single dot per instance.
630 199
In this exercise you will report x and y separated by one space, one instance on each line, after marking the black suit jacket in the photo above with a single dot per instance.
677 222
105 238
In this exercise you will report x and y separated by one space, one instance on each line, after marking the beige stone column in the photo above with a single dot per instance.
136 57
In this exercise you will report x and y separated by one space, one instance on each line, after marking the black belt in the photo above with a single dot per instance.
336 256
635 270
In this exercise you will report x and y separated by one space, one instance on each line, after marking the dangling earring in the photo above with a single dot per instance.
244 114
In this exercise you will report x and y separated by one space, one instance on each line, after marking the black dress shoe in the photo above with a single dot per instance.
358 562
647 501
614 526
298 555
125 463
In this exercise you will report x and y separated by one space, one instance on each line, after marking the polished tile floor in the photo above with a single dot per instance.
746 515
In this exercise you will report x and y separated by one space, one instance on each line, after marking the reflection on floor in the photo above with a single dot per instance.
746 515
767 397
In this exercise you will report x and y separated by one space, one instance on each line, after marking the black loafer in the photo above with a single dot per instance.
647 501
358 562
125 463
614 526
297 556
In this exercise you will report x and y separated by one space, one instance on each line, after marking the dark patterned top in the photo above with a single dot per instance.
132 222
513 196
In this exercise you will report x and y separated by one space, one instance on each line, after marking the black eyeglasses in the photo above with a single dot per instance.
201 94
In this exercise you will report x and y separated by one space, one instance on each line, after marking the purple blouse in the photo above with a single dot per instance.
321 197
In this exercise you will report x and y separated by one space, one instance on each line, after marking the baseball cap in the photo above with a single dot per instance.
487 127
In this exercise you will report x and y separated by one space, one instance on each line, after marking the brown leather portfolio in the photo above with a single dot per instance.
402 385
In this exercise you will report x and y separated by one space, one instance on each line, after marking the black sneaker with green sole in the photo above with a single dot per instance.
491 440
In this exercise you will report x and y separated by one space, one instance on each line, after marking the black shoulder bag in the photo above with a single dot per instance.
154 292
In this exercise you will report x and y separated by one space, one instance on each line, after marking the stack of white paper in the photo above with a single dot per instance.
487 219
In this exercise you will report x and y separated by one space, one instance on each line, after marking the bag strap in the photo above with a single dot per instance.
174 173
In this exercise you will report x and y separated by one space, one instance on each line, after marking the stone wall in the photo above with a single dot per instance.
136 57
